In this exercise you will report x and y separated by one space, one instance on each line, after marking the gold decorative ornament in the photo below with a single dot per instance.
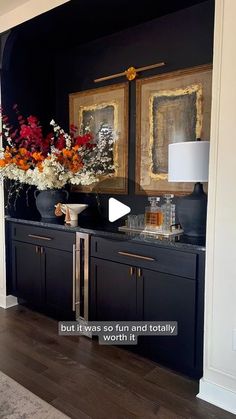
130 73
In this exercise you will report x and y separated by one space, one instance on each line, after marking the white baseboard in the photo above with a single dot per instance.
217 395
7 301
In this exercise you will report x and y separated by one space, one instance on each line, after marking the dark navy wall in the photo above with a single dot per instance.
182 39
39 79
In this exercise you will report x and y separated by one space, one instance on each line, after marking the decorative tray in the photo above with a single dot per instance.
173 233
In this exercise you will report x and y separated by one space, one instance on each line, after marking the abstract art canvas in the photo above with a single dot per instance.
105 107
171 107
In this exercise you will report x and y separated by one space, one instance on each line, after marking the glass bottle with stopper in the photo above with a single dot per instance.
168 209
153 215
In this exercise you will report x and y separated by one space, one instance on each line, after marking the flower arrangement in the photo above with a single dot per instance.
51 162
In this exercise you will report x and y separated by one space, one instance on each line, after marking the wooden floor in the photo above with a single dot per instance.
86 380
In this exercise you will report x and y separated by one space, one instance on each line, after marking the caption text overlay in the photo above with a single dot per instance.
122 333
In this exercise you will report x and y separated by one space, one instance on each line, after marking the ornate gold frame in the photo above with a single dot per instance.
195 79
117 96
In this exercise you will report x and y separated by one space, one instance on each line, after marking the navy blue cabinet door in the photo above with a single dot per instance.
26 268
58 281
113 291
170 298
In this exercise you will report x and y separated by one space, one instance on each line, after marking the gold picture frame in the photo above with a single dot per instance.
171 107
111 103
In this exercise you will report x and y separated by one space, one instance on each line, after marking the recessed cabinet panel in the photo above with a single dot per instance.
58 276
113 291
27 272
171 298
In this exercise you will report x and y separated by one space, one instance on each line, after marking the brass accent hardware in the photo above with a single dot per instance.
133 255
41 250
74 277
37 249
33 236
131 270
139 272
81 276
130 73
85 268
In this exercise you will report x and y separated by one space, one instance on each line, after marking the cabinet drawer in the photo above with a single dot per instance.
43 236
144 256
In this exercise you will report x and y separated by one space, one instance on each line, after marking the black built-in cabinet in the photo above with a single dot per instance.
128 281
141 282
41 269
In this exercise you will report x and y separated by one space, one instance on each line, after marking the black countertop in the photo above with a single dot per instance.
109 231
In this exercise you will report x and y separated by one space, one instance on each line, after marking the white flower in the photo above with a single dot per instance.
53 175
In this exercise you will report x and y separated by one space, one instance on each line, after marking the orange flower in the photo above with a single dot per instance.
37 156
7 155
2 163
25 167
67 153
39 166
23 152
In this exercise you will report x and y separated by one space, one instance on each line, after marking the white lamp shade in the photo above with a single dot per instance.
188 161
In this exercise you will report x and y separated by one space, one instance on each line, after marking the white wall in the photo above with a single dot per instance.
219 382
26 11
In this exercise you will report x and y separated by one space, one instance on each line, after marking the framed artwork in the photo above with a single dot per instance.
105 105
171 107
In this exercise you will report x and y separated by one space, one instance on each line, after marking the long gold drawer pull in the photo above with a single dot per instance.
33 236
133 255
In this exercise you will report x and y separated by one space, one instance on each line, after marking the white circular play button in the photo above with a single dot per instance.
116 209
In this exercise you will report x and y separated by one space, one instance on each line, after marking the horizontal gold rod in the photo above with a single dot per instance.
123 73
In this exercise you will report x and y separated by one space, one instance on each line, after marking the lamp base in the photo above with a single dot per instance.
191 211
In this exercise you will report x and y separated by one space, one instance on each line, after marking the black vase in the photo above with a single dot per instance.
46 201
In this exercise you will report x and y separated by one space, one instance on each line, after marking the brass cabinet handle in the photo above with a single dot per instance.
81 276
74 277
139 272
39 249
131 271
33 236
133 255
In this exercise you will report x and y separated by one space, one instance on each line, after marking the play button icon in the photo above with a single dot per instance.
117 210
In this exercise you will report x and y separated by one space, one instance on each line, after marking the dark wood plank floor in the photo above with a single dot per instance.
86 380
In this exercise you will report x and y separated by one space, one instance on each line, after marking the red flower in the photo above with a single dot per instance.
83 139
60 142
25 131
46 144
33 121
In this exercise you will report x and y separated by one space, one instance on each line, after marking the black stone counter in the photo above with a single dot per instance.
108 231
